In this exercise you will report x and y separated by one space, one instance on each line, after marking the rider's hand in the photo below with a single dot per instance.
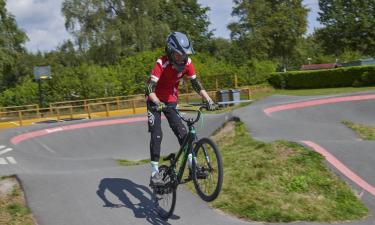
210 104
160 106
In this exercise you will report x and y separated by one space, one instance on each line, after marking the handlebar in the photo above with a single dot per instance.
189 121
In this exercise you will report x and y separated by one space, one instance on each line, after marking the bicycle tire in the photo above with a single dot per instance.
167 212
203 167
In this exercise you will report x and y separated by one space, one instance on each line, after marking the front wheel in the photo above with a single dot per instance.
165 196
207 169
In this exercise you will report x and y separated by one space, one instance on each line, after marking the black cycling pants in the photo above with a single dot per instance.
154 127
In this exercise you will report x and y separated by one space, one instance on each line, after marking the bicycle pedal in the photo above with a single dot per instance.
169 157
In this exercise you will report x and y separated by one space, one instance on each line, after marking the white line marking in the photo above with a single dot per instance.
11 160
52 130
6 150
2 161
2 146
48 149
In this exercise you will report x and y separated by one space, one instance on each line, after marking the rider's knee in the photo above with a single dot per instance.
180 131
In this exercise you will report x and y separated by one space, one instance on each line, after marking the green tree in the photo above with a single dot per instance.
11 40
349 26
269 29
190 17
309 50
110 29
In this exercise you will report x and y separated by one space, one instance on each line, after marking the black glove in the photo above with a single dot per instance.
160 106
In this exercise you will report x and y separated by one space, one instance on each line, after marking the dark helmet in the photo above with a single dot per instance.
178 42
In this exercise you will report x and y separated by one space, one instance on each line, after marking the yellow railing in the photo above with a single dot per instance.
90 108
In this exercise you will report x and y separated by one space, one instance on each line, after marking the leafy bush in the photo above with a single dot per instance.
129 77
23 94
340 77
255 72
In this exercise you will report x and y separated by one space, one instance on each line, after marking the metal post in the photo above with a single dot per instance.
186 90
50 109
20 117
249 93
88 110
133 104
118 103
38 111
40 93
58 113
86 107
107 109
217 84
71 112
235 81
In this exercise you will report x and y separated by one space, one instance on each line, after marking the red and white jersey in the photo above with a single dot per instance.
168 78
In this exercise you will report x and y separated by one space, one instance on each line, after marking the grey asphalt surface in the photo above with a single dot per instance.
71 178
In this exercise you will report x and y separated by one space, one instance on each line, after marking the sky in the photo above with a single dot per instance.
43 21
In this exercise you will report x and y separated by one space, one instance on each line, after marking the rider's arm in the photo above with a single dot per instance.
152 82
197 86
154 98
204 94
150 90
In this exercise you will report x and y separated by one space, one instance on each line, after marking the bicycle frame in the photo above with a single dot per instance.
185 149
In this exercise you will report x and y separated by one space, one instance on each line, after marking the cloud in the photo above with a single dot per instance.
219 15
42 21
313 22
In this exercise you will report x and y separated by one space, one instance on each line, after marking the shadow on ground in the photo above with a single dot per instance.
122 189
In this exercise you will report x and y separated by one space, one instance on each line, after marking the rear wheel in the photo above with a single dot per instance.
207 169
165 196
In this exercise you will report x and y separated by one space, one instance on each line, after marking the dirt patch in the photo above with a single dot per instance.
227 131
7 185
284 152
13 209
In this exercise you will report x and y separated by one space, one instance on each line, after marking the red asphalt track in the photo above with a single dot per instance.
341 167
38 133
304 104
328 156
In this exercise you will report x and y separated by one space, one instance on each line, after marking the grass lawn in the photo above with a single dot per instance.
124 162
13 208
365 132
280 182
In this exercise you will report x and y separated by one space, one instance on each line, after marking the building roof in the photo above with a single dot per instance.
319 66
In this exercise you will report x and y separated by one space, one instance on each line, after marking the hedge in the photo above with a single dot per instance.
128 77
340 77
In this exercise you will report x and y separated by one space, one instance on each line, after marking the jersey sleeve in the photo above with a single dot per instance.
190 70
157 70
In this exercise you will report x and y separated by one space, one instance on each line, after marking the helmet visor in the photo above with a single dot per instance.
179 58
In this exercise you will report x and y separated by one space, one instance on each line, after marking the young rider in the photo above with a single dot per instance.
162 96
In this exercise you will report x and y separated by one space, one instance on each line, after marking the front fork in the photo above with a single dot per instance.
207 157
193 153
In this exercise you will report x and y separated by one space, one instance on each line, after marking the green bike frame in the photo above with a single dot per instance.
185 149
